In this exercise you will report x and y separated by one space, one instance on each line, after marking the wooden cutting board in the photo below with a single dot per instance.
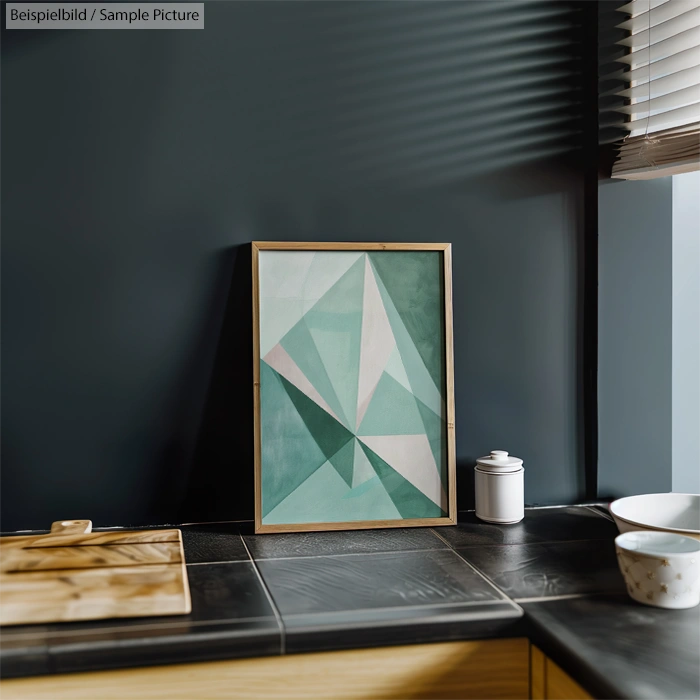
76 574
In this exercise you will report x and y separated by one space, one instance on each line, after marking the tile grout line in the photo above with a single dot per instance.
278 615
570 596
488 580
440 537
547 599
455 547
530 544
214 563
354 554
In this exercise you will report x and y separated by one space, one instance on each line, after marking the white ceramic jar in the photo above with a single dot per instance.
500 488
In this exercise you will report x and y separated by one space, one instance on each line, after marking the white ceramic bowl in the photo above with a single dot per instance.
660 568
667 512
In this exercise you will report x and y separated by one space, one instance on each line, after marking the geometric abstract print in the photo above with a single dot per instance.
352 386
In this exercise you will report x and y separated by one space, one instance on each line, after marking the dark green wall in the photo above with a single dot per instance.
137 165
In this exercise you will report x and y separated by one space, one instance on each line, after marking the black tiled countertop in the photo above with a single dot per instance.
552 577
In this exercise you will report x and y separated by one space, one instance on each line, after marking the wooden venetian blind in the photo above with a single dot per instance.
659 89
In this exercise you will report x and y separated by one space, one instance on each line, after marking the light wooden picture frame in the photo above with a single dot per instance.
353 386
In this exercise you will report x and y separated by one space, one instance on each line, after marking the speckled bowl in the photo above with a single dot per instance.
660 568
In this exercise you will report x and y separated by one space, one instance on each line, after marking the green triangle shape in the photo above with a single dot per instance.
362 469
343 461
414 281
335 324
325 497
301 348
422 384
366 486
314 501
409 501
329 435
370 501
289 451
436 433
392 411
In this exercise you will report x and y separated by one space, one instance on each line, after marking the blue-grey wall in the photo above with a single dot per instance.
137 166
634 336
686 333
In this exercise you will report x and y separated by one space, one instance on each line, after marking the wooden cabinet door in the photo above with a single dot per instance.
495 668
549 682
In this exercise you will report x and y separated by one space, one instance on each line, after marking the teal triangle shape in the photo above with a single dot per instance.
335 324
409 501
343 461
422 384
391 411
370 501
364 487
436 432
313 501
414 281
301 348
362 470
324 497
290 453
329 435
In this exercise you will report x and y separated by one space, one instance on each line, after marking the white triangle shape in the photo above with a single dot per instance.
376 344
411 456
279 359
291 282
325 270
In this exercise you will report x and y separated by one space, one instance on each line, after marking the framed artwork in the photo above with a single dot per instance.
353 371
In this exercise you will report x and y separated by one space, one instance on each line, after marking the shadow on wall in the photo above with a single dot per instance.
423 95
142 163
374 94
219 480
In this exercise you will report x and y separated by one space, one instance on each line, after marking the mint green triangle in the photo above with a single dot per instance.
362 469
329 435
394 368
313 501
301 348
277 316
343 461
325 498
414 281
327 267
289 451
370 501
409 501
335 324
367 486
436 432
421 382
391 411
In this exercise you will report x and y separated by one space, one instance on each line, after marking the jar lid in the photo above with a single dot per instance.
499 461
